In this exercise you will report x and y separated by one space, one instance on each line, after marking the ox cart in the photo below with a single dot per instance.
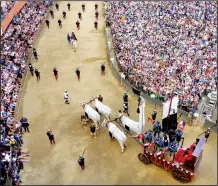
183 173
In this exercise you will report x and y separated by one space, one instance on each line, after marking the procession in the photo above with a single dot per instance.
67 119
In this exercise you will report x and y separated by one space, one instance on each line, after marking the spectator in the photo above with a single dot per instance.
182 46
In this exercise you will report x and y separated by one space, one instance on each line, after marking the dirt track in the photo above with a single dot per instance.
43 104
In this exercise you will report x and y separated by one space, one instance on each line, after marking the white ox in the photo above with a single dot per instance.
116 133
101 108
128 123
92 114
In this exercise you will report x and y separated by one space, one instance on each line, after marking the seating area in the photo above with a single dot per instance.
16 43
166 46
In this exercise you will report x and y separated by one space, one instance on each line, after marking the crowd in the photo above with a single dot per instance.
5 8
166 46
16 43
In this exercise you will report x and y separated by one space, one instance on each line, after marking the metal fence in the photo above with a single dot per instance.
114 64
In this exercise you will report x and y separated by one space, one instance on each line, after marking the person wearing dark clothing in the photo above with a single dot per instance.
126 109
96 6
51 137
37 74
93 130
35 54
100 98
125 97
102 69
96 25
73 36
68 5
68 38
83 7
55 71
52 14
154 114
96 15
78 25
57 6
31 69
172 135
25 124
64 14
80 16
207 134
60 23
47 23
165 141
78 73
81 161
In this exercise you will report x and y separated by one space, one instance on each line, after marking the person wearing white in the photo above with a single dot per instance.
66 97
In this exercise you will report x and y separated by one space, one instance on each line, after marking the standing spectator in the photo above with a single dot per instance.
126 108
64 14
96 7
68 38
80 16
57 6
96 15
81 161
55 71
83 7
93 130
35 54
52 14
51 136
31 69
47 23
68 5
60 23
37 74
78 25
102 69
96 25
78 73
25 124
207 134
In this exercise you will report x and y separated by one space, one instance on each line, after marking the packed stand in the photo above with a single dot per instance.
167 45
16 44
5 8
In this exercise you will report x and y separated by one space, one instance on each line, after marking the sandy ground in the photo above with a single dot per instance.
44 105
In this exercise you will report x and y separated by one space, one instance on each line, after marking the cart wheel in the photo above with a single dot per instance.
180 176
144 158
141 157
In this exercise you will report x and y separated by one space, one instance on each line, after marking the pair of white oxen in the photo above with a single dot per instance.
112 128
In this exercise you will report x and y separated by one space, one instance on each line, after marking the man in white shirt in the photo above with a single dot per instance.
66 97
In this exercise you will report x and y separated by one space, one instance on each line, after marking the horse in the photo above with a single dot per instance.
74 43
116 133
101 108
92 114
129 124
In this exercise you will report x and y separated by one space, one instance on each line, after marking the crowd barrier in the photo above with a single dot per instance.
114 65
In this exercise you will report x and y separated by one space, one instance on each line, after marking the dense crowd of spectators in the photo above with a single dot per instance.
166 45
16 43
5 8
